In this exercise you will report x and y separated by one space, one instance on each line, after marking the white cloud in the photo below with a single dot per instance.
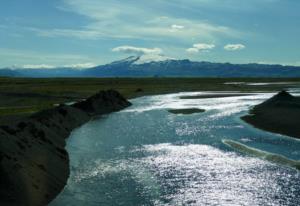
175 26
202 47
80 65
192 50
146 55
114 19
154 29
35 59
234 47
80 34
41 56
137 50
38 66
48 66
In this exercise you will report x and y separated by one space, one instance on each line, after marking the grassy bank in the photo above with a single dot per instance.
22 96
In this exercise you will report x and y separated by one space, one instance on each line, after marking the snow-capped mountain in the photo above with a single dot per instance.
144 59
161 66
147 66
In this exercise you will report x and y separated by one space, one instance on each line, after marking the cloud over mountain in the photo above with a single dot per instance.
137 50
234 47
200 48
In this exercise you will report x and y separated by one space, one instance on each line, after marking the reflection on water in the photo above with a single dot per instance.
201 175
147 156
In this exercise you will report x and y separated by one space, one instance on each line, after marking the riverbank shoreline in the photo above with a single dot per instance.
279 114
34 163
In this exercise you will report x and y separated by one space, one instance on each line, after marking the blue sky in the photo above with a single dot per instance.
83 33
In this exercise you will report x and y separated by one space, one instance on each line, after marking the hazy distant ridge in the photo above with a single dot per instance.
130 68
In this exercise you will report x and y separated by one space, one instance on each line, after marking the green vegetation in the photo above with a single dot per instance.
27 95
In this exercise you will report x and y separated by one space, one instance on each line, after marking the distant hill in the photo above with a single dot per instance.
35 73
8 73
136 67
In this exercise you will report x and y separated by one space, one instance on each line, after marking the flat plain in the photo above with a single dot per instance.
23 96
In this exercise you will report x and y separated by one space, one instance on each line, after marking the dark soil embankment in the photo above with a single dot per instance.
280 114
34 165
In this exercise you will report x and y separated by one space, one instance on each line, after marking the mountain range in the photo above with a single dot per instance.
164 67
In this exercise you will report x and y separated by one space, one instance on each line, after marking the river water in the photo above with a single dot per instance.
145 155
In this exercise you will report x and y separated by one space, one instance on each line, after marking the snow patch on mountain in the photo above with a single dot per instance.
144 59
128 60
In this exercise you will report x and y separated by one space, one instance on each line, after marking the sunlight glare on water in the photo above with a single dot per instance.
145 155
203 175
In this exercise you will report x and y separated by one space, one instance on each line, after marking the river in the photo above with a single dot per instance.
145 155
